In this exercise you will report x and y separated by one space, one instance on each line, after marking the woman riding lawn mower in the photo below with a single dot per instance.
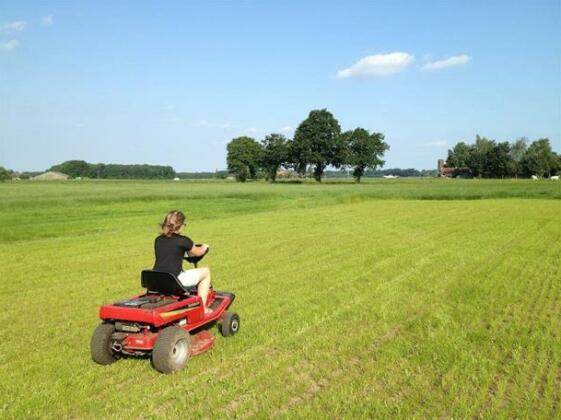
170 321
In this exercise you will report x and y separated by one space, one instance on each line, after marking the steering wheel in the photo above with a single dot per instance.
195 260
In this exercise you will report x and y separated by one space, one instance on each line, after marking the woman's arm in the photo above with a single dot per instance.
198 250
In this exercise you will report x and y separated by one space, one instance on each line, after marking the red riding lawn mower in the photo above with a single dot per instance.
168 323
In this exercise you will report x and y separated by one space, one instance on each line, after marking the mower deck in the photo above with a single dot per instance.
201 342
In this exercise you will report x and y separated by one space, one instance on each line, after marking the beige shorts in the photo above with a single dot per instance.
189 278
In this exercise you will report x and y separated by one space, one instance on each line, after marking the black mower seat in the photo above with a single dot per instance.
164 283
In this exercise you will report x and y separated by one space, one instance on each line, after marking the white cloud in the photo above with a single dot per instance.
454 61
47 20
200 123
9 45
377 65
434 144
227 125
16 26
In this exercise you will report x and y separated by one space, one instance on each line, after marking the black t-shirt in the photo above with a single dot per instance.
170 252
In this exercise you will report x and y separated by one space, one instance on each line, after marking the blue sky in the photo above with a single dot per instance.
173 82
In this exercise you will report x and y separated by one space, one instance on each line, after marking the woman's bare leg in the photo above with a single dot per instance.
204 285
199 277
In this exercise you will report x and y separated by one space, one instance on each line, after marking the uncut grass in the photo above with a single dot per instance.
107 192
298 324
92 207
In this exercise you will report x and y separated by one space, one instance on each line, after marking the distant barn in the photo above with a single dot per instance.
446 171
51 176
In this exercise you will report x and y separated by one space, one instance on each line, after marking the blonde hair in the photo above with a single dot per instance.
172 223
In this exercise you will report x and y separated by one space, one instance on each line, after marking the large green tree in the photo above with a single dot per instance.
299 155
244 158
540 159
459 155
364 150
317 142
478 155
275 154
498 162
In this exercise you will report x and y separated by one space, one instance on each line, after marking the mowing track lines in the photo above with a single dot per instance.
317 385
290 267
542 383
504 322
424 242
355 363
507 366
288 286
534 350
355 360
555 377
308 237
313 386
505 250
556 406
548 322
505 373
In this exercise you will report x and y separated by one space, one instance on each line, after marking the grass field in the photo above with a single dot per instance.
407 298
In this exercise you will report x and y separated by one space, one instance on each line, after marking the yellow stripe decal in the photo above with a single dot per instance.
176 312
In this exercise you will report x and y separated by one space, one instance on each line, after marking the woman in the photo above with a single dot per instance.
170 248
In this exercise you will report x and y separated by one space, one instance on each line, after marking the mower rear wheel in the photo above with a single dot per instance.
171 351
100 344
230 324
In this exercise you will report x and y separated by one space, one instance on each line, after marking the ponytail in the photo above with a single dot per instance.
172 223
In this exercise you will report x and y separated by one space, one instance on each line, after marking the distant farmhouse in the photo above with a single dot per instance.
51 176
446 171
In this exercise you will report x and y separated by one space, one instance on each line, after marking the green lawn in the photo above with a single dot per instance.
406 298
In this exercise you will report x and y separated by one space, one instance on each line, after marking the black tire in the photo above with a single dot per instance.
171 351
230 324
100 345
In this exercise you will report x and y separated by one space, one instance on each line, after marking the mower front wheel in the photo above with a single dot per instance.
230 324
171 351
100 345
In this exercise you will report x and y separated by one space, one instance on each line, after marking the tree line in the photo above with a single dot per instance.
491 159
317 144
203 175
83 169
